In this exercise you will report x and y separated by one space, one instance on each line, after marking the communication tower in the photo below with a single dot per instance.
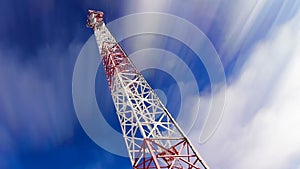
152 136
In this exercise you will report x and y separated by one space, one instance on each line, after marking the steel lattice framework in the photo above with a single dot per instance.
152 136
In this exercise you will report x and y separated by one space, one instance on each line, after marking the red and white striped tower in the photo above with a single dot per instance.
152 136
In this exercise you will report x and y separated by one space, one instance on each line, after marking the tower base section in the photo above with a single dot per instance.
179 156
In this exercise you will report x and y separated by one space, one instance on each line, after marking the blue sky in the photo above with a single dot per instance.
257 43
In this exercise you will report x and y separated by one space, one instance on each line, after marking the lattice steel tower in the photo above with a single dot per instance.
152 136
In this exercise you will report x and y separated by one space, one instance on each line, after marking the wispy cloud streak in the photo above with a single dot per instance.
261 120
36 107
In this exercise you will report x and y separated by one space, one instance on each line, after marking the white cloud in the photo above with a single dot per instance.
34 103
245 14
261 125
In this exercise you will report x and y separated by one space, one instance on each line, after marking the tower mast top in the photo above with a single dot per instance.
94 18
